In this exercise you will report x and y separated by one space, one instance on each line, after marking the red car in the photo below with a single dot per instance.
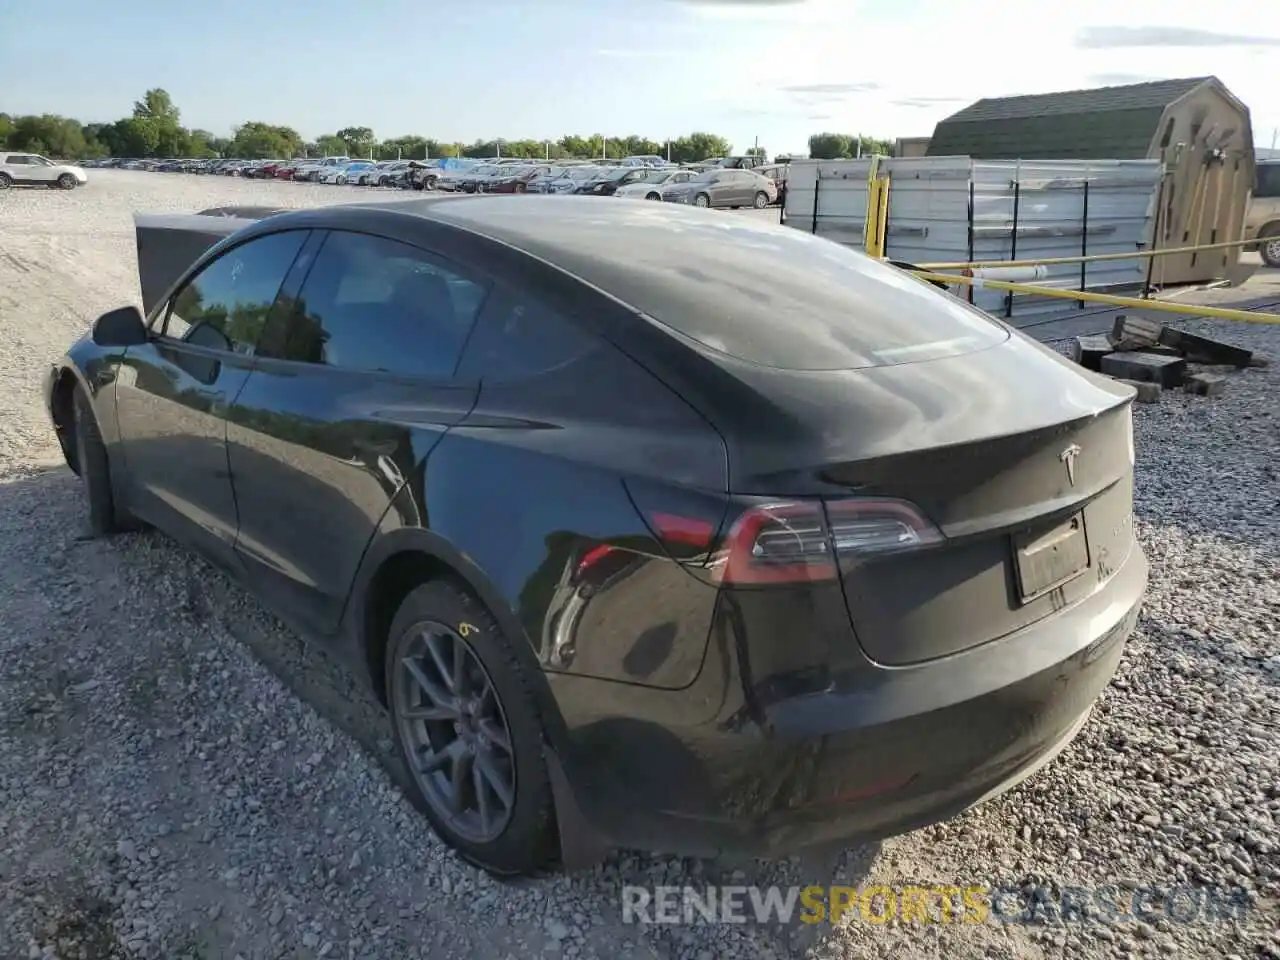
284 171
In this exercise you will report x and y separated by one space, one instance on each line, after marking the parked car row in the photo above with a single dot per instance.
719 182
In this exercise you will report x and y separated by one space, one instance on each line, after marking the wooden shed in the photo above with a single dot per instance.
1196 126
911 147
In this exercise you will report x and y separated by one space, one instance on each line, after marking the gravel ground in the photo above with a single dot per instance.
181 777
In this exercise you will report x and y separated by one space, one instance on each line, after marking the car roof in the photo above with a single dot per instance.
671 262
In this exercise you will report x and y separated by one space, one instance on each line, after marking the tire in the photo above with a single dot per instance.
702 200
521 188
340 180
67 182
524 842
761 200
653 196
95 471
5 181
430 183
1269 248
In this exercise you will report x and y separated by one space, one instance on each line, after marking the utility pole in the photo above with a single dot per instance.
668 149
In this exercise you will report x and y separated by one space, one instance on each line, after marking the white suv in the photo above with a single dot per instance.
31 168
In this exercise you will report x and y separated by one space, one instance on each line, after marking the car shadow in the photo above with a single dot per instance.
46 503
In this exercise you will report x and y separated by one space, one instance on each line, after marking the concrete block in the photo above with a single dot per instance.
1145 367
1205 384
1089 351
1147 392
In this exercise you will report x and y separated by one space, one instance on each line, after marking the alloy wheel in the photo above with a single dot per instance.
455 733
1271 250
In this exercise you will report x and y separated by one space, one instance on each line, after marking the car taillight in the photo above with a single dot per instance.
805 541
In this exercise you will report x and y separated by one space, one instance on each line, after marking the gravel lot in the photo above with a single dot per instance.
181 777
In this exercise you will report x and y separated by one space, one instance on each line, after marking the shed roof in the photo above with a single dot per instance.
1104 122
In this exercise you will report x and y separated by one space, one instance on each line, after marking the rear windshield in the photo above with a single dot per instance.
810 304
770 295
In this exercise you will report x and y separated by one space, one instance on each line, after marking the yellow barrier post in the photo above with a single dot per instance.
882 220
873 199
1134 303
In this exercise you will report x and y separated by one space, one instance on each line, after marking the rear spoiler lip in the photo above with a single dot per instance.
170 243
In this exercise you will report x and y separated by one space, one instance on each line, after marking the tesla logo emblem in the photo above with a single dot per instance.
1068 458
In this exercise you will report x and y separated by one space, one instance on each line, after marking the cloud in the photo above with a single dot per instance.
742 3
1120 79
924 103
1113 38
626 53
829 89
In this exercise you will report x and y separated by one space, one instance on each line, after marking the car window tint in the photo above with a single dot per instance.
517 337
818 305
379 305
1268 181
226 304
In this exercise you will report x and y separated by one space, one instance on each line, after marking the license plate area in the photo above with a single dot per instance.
1045 558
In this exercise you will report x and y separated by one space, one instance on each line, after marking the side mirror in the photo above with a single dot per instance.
120 328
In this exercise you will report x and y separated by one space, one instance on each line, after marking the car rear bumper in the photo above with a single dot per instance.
859 762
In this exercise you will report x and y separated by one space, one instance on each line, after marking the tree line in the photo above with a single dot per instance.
841 146
154 129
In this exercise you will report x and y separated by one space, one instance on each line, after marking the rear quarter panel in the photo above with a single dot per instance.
533 480
1262 211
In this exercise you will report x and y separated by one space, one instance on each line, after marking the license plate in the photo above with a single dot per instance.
1045 559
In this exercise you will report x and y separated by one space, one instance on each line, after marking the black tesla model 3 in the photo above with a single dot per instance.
652 527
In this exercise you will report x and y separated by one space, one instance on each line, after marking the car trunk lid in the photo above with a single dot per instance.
170 243
1022 462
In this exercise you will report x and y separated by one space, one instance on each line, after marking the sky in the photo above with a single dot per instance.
776 70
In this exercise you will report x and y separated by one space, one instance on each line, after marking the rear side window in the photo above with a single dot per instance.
1268 181
518 337
378 305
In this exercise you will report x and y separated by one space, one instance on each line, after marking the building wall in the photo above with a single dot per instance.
912 147
1202 203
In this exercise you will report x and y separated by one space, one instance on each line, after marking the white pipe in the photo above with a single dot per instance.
1010 274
